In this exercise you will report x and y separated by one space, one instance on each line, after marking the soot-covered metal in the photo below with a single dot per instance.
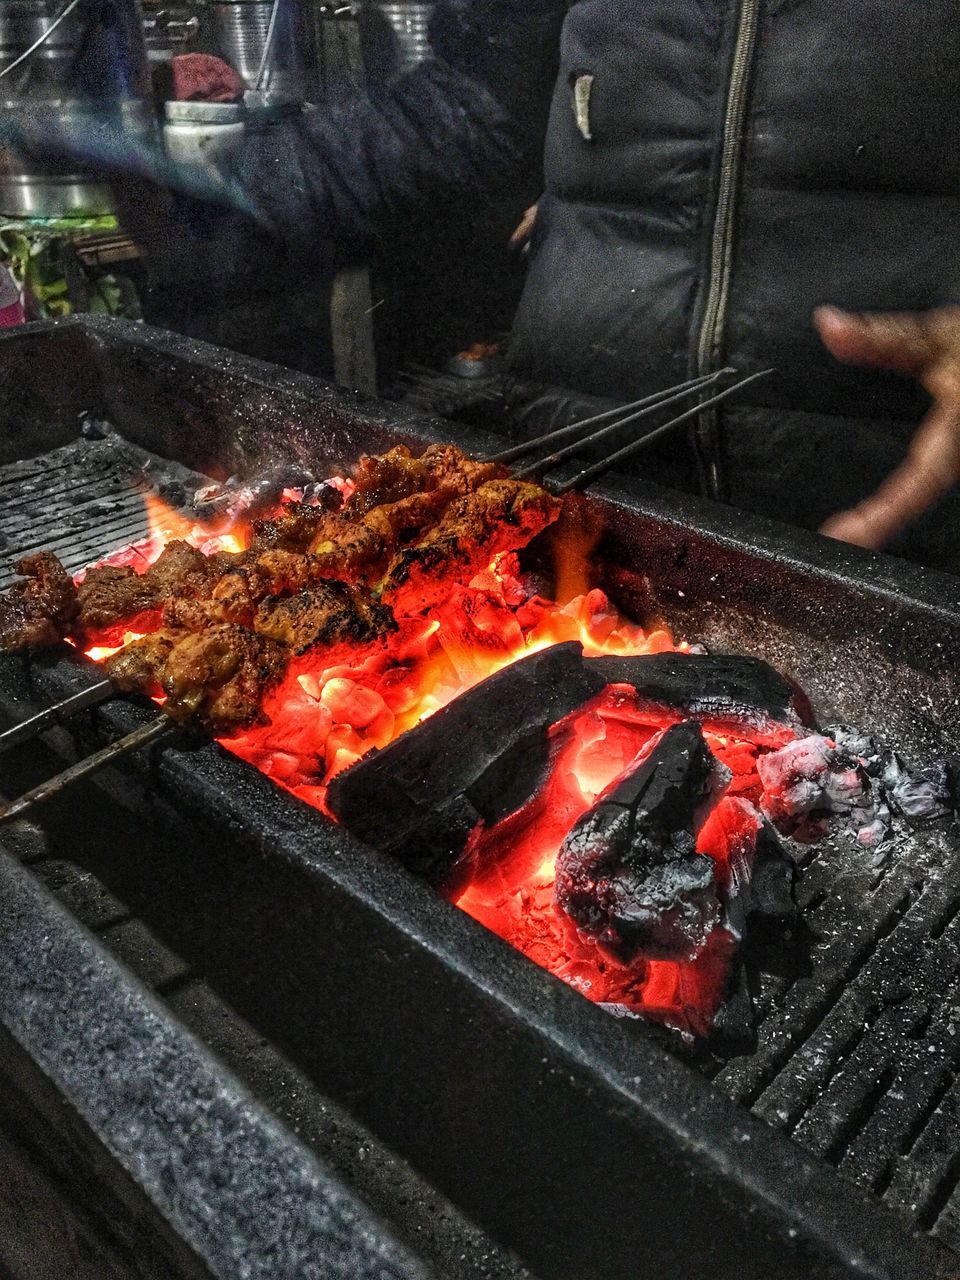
406 1014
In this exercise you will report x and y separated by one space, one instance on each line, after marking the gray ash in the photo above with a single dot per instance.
845 778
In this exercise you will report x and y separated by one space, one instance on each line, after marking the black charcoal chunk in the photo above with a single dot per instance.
420 797
709 686
734 1028
513 778
771 894
762 885
628 874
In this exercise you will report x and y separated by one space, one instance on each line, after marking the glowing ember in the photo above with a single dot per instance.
334 705
512 893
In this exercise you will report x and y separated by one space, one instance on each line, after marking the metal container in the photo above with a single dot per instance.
73 61
48 71
168 31
30 189
203 132
241 28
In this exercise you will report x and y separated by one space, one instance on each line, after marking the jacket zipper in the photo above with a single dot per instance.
721 247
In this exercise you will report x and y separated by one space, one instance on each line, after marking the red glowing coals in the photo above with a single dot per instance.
334 705
511 893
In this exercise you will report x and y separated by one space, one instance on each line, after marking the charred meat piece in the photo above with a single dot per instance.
387 478
293 530
179 568
395 475
234 596
111 596
628 875
452 468
328 613
215 678
38 612
138 667
502 515
350 549
218 677
395 494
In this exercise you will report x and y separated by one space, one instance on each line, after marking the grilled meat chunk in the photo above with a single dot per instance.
326 614
293 530
395 475
350 549
452 468
217 678
386 478
395 495
113 597
502 515
138 667
235 595
179 568
38 612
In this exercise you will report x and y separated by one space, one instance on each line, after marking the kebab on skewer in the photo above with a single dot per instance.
221 629
225 626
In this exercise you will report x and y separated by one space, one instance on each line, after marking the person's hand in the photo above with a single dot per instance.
520 240
926 345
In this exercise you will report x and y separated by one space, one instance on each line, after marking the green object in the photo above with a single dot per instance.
31 248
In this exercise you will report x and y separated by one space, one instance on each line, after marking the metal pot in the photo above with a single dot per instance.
203 132
88 61
242 27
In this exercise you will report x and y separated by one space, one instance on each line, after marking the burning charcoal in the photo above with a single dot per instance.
420 797
710 687
754 873
859 746
813 779
236 498
628 875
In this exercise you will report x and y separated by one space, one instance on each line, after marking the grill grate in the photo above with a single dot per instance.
859 1055
82 501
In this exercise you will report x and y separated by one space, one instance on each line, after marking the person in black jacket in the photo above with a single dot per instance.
716 173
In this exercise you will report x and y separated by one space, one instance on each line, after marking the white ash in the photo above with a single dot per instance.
846 777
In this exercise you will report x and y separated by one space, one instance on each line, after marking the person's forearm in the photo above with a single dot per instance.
464 124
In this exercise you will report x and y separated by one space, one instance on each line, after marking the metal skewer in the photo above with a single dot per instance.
590 473
60 711
568 432
153 732
667 398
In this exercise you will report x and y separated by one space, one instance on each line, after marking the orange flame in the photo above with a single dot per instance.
333 707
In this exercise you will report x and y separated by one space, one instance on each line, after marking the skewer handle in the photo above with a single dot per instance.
53 715
157 729
598 468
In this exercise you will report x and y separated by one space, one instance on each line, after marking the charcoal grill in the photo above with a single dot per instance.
364 1076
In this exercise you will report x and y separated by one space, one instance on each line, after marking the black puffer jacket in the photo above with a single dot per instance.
729 166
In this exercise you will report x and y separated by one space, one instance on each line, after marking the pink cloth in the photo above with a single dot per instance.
200 77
